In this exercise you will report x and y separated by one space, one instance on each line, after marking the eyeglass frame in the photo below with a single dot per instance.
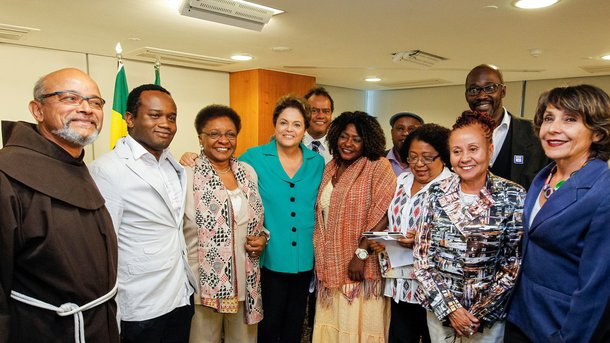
212 134
77 103
473 91
425 160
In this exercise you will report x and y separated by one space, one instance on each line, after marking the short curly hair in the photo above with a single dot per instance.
368 128
216 111
435 135
468 118
292 101
588 102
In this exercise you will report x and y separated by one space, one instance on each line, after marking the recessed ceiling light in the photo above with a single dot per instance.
372 79
241 57
606 57
533 4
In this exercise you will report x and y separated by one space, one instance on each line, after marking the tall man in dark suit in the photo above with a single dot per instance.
518 155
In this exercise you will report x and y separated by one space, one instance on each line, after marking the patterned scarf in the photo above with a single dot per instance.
216 225
359 201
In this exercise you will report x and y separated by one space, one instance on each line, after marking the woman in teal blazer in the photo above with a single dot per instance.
289 175
563 289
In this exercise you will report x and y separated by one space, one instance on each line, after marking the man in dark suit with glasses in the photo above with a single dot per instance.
518 155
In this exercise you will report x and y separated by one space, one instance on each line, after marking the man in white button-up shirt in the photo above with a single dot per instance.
144 188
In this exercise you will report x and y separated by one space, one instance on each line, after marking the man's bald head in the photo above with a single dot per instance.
485 67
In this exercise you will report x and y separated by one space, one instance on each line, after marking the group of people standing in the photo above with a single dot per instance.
500 227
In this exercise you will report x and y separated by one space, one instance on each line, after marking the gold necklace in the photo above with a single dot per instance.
222 172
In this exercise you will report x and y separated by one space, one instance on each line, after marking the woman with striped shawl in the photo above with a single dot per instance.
356 190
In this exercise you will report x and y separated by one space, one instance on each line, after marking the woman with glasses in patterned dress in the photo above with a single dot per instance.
223 229
426 151
466 253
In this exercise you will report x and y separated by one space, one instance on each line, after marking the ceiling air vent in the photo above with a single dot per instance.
13 32
178 58
422 58
414 83
230 12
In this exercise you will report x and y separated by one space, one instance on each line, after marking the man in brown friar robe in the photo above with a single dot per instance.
58 249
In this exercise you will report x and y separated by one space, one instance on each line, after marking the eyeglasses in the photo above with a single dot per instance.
75 99
489 89
423 159
315 110
230 135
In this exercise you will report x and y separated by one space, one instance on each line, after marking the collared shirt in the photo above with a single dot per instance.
403 216
145 199
165 169
499 136
322 148
396 166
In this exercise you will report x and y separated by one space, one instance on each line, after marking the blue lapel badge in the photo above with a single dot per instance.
518 159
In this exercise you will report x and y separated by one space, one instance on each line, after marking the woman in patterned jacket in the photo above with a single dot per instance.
467 246
223 228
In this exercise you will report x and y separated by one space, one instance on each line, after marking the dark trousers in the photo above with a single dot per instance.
512 334
408 323
172 327
284 302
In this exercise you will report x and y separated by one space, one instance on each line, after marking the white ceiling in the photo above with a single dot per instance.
341 42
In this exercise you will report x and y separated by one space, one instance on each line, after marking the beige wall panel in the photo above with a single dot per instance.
346 99
440 105
537 87
21 67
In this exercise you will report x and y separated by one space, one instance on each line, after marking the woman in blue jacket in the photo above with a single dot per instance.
563 289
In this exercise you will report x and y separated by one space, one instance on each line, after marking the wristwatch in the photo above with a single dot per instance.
362 254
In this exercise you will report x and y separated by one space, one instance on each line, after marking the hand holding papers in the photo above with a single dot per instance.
394 243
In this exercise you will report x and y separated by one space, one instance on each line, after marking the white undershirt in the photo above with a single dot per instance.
499 136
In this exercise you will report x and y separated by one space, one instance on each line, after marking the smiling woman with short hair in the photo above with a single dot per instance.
466 249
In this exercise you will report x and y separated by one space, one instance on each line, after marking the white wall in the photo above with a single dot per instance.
442 105
191 89
346 99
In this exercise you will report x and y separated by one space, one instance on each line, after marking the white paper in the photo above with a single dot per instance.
399 256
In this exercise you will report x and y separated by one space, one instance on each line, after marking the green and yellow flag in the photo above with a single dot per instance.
157 74
118 125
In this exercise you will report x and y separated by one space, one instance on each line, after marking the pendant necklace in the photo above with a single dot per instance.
547 190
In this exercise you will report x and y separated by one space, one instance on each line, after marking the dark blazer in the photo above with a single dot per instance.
563 288
521 156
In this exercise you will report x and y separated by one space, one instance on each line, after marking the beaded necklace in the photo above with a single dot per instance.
547 190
